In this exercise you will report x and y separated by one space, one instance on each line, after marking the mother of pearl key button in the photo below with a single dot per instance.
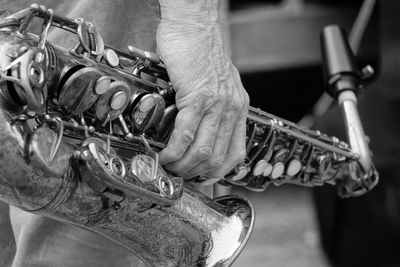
267 170
294 167
277 170
260 167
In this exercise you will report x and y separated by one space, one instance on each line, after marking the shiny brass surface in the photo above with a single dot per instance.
68 150
323 159
197 231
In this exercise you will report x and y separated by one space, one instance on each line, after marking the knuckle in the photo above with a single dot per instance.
216 162
203 152
220 99
177 145
241 103
205 96
170 155
215 101
237 106
197 106
185 136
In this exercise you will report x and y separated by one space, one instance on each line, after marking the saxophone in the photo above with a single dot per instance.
81 128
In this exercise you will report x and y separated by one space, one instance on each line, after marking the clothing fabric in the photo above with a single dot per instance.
31 240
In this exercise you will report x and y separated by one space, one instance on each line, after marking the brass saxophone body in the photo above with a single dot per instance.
196 231
85 170
80 131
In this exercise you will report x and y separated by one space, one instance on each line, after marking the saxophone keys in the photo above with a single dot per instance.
148 112
268 154
259 185
267 170
124 127
141 167
59 134
280 155
113 102
165 185
118 100
260 167
239 173
89 37
81 90
277 170
45 149
323 164
165 126
111 57
117 168
146 55
102 85
126 62
293 167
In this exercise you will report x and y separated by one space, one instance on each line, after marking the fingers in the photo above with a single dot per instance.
220 148
236 150
186 124
203 144
212 146
230 148
210 128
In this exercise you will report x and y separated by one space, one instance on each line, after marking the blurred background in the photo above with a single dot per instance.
275 45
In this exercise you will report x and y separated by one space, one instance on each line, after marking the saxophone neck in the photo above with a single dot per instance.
344 80
363 176
354 129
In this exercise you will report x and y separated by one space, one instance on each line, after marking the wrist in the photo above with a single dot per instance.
189 11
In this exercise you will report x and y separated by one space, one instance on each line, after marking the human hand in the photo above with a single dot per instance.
210 129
